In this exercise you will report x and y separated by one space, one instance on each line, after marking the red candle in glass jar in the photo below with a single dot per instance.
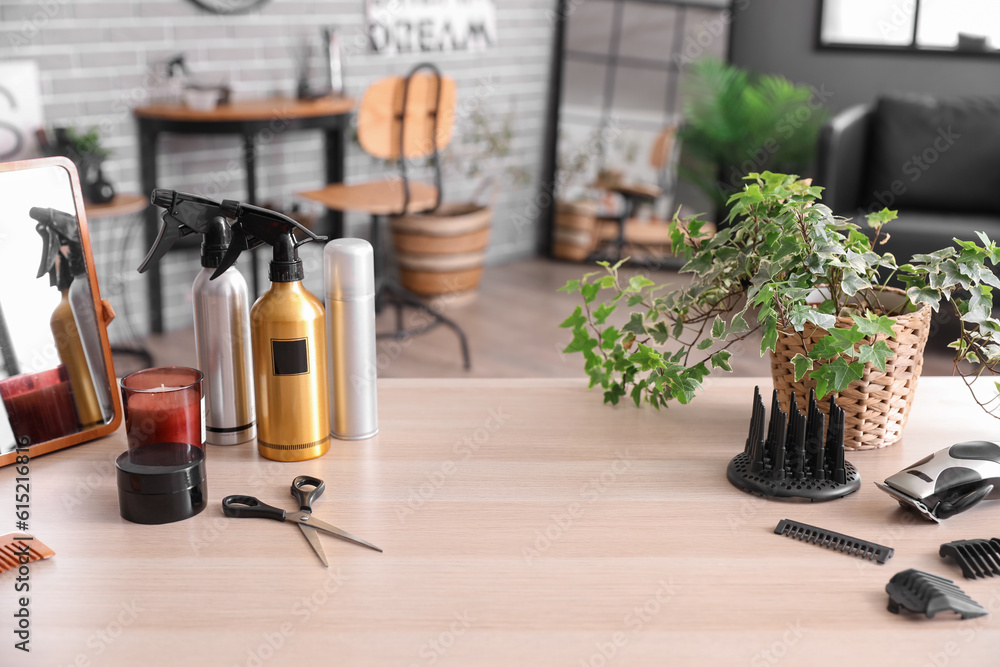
164 405
40 406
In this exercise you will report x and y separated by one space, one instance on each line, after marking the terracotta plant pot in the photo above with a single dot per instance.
441 254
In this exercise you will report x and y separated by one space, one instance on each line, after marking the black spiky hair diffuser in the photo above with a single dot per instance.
795 459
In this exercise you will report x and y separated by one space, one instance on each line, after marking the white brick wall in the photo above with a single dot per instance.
94 56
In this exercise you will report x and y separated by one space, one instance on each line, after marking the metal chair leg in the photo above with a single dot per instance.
402 297
408 298
399 315
627 208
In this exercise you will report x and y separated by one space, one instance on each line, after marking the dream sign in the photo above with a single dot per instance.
415 26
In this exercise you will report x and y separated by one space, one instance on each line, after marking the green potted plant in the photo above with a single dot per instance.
87 153
441 253
813 285
736 122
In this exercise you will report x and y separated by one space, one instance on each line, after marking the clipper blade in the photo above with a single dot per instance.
907 501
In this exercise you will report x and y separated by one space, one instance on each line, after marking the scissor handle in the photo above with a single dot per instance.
248 507
305 497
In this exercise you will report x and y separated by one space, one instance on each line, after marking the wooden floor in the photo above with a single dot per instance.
513 330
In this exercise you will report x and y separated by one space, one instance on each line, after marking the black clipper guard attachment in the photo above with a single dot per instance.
977 558
851 546
925 593
793 461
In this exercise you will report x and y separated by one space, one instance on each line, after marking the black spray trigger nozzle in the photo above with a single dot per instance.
265 224
60 221
184 214
285 249
164 198
215 242
50 248
57 228
254 226
170 231
239 242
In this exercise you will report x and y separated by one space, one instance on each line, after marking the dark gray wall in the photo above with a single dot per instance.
778 37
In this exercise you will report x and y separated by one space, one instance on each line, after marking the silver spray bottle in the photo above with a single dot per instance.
349 269
222 338
221 315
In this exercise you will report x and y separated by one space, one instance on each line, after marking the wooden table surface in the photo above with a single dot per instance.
524 523
122 204
253 109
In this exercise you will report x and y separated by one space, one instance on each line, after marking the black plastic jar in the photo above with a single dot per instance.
161 482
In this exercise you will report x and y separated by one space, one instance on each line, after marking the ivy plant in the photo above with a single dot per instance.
782 265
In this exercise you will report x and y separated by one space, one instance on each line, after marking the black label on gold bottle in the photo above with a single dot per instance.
291 357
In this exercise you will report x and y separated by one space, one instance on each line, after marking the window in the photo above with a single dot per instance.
961 26
884 22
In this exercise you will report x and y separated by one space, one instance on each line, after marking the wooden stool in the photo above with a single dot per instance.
635 194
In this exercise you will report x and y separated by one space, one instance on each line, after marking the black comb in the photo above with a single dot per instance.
978 558
800 457
837 541
922 592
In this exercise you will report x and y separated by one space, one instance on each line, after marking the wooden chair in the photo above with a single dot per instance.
401 119
662 158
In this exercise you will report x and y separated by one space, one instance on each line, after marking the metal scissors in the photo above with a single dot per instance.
248 507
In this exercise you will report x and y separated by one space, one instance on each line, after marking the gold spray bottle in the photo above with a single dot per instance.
288 333
58 230
70 349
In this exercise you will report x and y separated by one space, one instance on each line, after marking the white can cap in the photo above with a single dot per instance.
349 269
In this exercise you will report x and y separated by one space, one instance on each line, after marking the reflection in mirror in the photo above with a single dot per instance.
53 378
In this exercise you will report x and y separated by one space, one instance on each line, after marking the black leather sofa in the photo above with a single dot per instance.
935 160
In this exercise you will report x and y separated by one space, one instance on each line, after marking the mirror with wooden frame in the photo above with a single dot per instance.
57 379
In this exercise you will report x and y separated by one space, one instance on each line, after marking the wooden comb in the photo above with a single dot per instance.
14 545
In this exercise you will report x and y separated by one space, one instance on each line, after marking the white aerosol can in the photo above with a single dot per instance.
349 273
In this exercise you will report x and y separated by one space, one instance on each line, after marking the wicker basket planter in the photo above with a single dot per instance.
441 254
877 405
574 236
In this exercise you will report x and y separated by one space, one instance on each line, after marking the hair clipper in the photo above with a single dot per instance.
949 481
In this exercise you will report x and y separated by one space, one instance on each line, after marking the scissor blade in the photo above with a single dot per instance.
307 519
313 539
